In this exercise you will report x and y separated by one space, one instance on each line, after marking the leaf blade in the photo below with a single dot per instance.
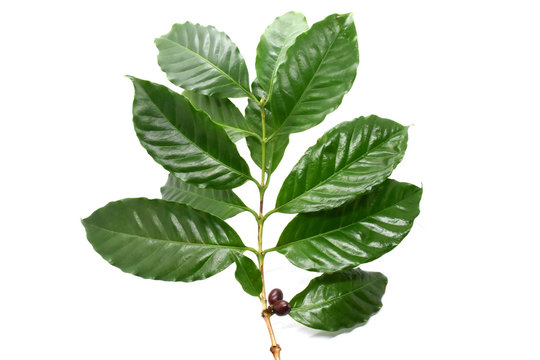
346 161
275 41
184 140
355 233
157 239
319 69
248 275
340 300
220 203
223 112
203 59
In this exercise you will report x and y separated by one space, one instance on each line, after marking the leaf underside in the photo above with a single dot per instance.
221 203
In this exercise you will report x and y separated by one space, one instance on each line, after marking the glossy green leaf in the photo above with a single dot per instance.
275 148
341 300
184 140
203 59
275 41
248 275
346 161
221 203
223 112
319 69
355 233
163 240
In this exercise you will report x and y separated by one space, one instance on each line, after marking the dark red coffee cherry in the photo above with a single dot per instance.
281 308
275 295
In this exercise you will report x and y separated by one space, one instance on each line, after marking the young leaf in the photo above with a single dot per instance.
248 275
184 140
346 161
275 148
340 300
275 41
203 59
319 69
163 240
221 203
355 233
223 112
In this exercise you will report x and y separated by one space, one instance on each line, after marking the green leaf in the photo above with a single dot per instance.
163 240
319 69
340 300
184 140
203 59
223 112
346 161
275 41
221 203
248 275
355 233
275 148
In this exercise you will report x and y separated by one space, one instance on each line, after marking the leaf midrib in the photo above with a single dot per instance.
309 83
332 300
223 247
211 64
346 167
191 141
277 248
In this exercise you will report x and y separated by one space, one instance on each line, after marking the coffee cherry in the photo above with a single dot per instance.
281 308
274 296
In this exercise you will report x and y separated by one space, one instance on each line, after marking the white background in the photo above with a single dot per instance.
463 285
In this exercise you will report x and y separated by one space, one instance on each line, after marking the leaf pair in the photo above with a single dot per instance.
303 74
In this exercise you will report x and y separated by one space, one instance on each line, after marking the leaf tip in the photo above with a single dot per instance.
130 77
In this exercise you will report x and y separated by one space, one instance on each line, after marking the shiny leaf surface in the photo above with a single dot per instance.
203 59
223 112
319 69
341 300
221 203
163 240
184 140
248 275
275 148
275 41
355 233
346 161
